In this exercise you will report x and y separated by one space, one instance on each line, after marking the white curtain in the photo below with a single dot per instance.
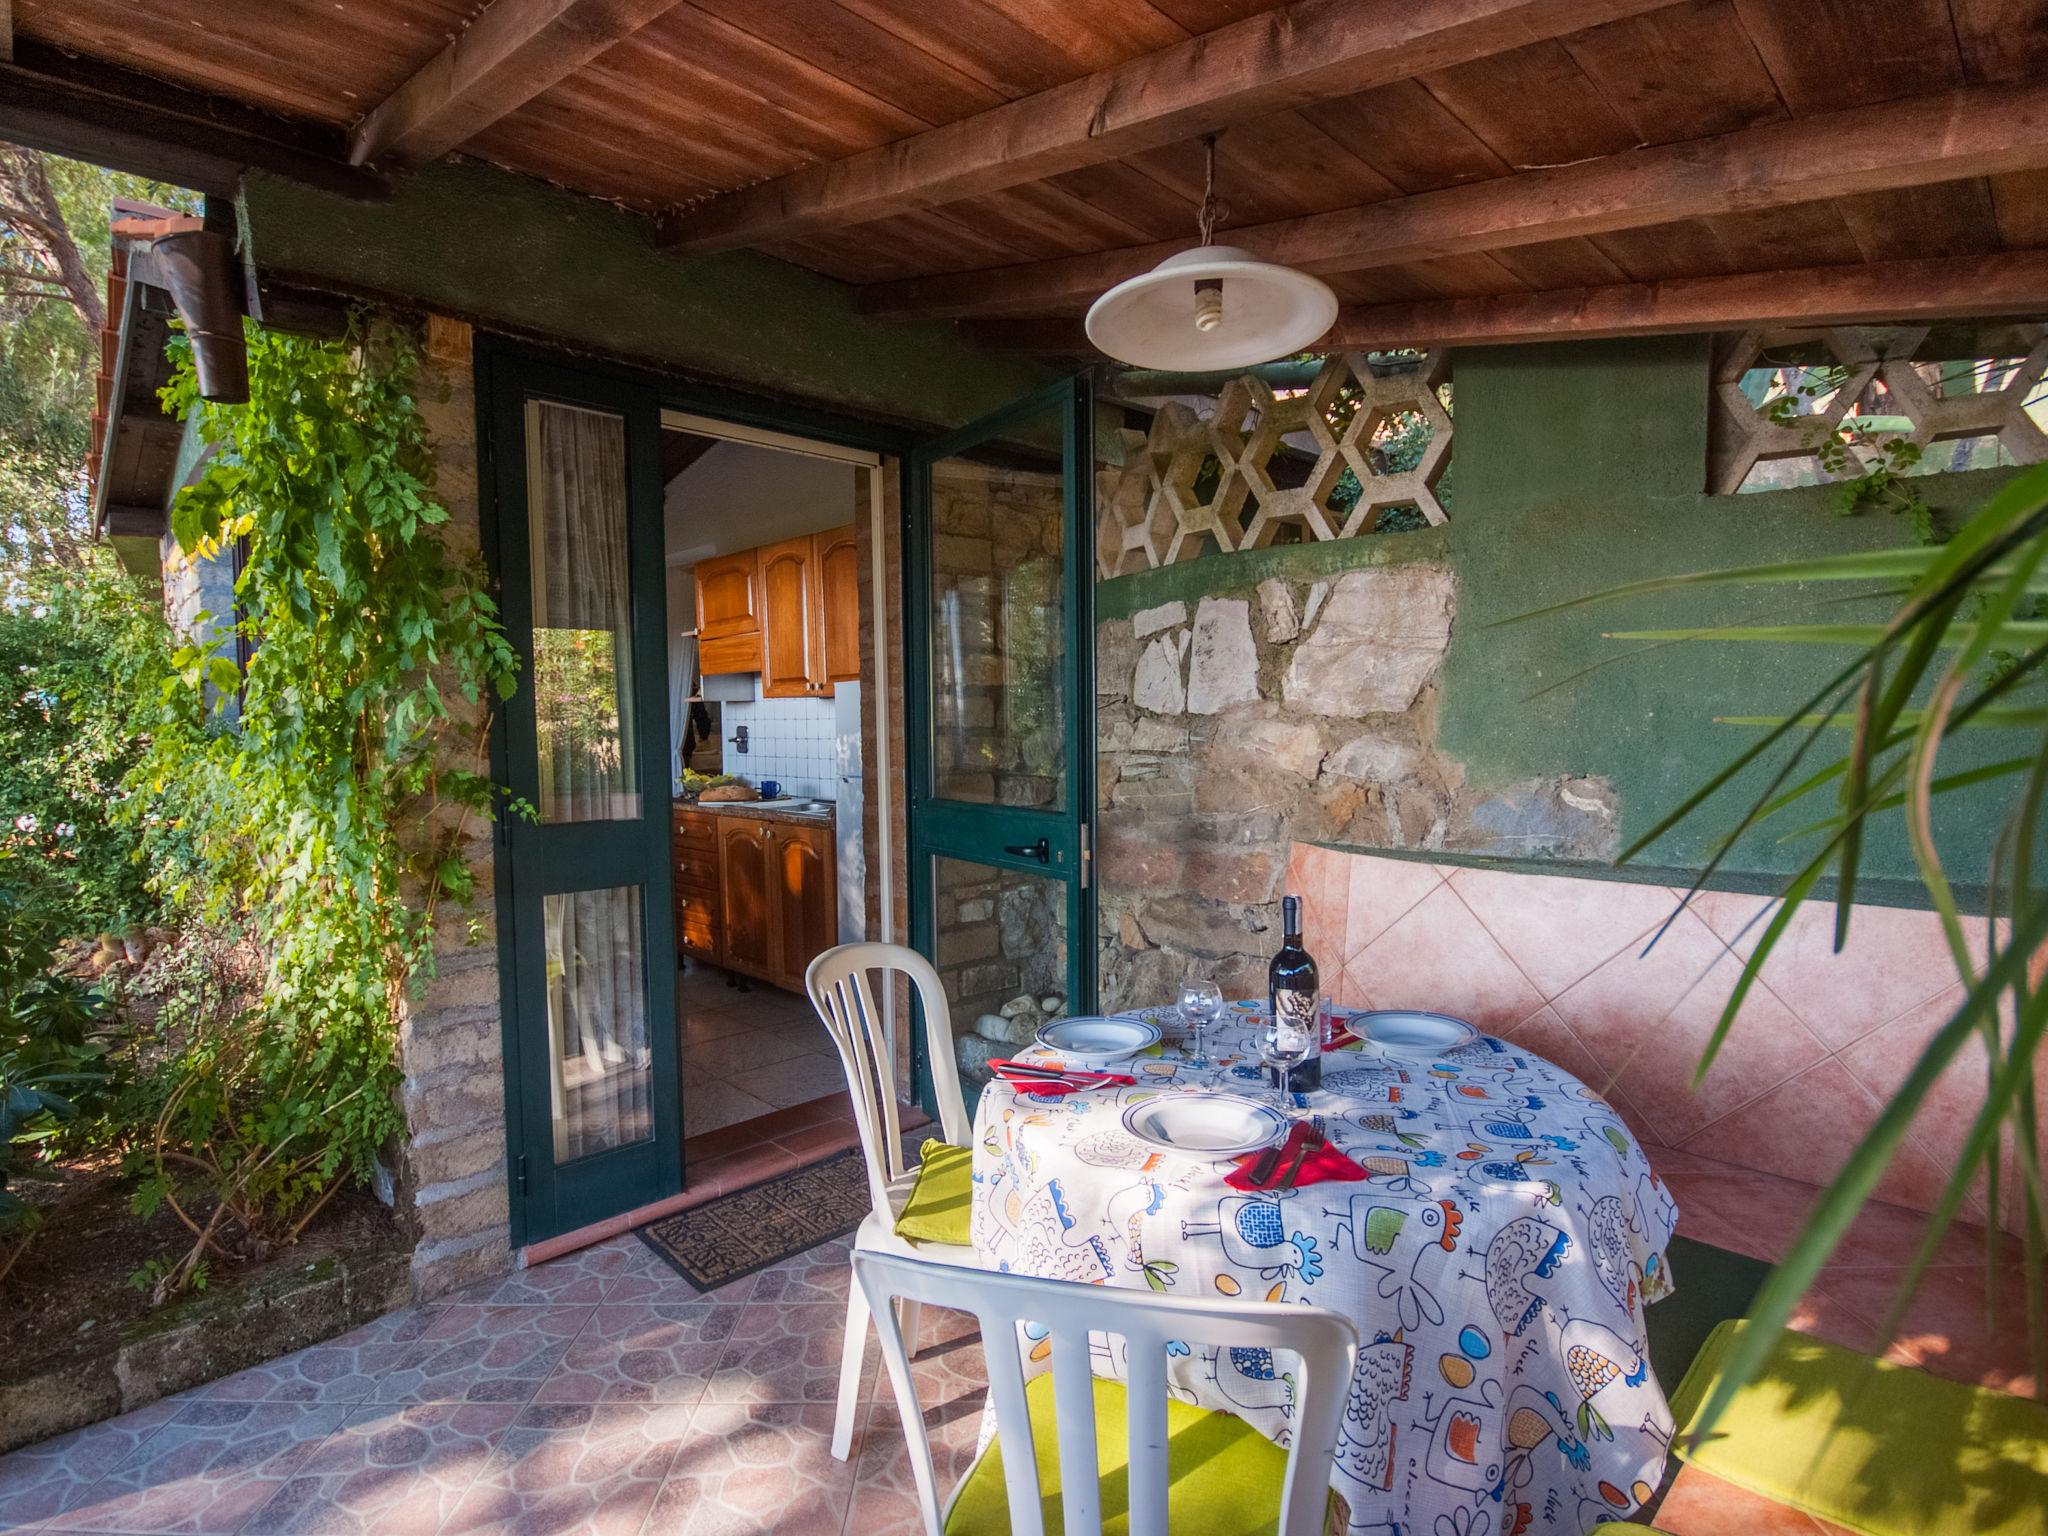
598 1040
582 613
597 1020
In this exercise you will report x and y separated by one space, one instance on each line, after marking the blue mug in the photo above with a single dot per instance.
771 789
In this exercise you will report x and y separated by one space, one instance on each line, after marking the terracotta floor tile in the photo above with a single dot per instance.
823 1274
820 1141
388 1471
947 1364
885 1496
40 1482
637 1353
573 1278
573 1469
795 1081
726 1139
736 1056
1947 1327
343 1370
484 1355
1702 1505
742 1170
783 1353
648 1277
207 1471
743 1470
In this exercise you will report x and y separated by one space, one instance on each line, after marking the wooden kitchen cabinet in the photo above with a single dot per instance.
729 613
806 899
810 614
778 896
789 619
747 881
700 905
835 598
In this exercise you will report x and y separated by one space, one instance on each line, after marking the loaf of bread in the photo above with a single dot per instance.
725 793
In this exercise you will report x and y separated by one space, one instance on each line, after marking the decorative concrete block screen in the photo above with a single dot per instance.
1556 964
1810 406
1267 460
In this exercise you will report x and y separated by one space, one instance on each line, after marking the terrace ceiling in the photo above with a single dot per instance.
1457 169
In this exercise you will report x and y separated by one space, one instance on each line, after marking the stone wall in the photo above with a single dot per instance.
1299 706
452 1184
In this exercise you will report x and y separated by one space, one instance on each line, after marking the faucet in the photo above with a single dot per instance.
739 739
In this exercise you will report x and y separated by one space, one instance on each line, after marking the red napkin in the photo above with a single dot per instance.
1326 1162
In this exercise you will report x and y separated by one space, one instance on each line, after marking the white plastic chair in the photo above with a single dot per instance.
838 985
1324 1344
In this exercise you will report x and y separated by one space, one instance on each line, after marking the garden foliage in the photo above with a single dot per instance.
314 800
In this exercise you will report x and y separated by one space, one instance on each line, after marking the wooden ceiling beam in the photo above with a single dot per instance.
90 110
2010 283
514 50
2006 284
1310 51
1983 130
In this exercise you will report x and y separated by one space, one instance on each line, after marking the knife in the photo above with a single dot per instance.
1269 1159
1309 1143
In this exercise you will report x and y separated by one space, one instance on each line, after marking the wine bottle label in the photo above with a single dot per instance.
1294 1015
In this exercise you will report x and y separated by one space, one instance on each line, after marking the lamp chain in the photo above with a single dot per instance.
1213 208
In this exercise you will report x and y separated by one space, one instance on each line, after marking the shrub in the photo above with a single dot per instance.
327 821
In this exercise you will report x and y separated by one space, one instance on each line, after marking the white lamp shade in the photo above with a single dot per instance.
1269 311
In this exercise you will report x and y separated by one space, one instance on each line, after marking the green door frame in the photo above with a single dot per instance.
993 834
506 370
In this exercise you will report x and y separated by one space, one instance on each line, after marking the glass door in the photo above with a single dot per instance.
999 619
586 946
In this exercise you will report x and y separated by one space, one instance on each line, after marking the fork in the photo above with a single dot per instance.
1309 1143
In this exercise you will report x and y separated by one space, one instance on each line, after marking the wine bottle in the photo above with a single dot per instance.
1293 991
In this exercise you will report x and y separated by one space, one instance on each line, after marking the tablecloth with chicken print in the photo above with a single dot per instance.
1497 1260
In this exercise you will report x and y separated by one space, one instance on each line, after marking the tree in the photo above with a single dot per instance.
71 620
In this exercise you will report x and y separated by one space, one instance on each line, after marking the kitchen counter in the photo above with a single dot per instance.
769 810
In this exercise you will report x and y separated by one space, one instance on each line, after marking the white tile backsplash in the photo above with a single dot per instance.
790 740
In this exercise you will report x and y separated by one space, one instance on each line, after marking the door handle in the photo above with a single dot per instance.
1040 850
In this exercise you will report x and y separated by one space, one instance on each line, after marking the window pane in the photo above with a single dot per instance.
999 707
1002 935
598 1045
582 613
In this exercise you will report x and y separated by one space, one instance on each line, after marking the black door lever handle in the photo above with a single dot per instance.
1040 850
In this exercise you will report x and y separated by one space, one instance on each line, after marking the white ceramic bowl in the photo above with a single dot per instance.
1408 1032
1096 1042
1205 1125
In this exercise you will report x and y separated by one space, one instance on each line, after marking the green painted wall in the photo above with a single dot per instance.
484 245
1581 467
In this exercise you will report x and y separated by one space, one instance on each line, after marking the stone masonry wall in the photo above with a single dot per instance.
1249 717
452 1182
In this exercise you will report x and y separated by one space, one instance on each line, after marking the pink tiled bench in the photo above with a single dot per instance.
1556 963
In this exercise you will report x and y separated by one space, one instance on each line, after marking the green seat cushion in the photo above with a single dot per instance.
1877 1447
1224 1476
937 1209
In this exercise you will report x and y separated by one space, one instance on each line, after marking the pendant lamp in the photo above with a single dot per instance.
1211 308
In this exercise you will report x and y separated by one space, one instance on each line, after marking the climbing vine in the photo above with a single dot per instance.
318 798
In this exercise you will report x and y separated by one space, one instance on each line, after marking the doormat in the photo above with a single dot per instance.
731 1237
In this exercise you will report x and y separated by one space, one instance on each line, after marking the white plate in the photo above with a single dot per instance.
1093 1042
1409 1033
1210 1125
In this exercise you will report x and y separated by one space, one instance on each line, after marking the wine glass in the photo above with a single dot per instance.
1282 1047
1200 1002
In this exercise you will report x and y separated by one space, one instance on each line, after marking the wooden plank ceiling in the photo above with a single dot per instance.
1600 145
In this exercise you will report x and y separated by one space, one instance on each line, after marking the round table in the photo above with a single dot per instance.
1496 1261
